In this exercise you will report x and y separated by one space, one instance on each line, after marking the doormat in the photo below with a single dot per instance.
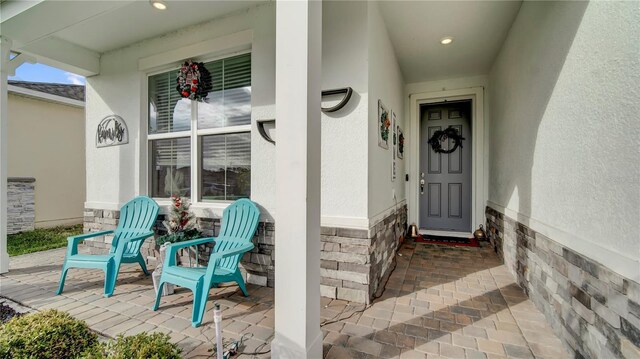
451 241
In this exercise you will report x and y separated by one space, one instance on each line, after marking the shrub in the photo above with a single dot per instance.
139 346
48 334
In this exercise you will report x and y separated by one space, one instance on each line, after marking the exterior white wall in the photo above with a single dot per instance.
565 135
115 174
387 84
344 139
46 142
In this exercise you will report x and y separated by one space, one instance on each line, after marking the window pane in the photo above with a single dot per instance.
168 111
229 102
171 167
211 109
237 95
226 166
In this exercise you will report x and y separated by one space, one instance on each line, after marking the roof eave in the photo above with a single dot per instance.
45 96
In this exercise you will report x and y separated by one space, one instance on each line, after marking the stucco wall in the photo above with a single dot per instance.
46 142
115 174
564 129
344 140
385 83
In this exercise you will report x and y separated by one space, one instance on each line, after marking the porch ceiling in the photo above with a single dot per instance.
73 34
416 27
138 21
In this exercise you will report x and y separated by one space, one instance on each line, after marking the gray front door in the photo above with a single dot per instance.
445 179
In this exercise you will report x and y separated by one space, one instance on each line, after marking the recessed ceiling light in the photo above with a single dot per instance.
158 4
446 40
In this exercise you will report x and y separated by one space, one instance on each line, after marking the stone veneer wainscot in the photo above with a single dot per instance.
595 311
354 262
21 204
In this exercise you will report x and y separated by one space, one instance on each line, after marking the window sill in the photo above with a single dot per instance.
200 209
207 209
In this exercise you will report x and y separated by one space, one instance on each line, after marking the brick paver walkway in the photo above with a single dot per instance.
440 302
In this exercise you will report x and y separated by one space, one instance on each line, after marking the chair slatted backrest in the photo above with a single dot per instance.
240 220
239 224
136 216
223 244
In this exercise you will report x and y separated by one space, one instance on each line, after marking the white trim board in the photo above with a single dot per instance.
618 262
446 233
109 206
214 210
385 213
225 44
345 222
479 152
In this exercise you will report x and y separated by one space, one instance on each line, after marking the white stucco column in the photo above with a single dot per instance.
297 264
5 49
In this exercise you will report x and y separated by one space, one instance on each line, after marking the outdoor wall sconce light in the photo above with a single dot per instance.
264 133
347 91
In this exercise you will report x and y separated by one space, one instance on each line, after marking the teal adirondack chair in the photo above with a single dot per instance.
137 217
239 224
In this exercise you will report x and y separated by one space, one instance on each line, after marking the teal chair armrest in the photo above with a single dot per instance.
81 237
172 248
73 241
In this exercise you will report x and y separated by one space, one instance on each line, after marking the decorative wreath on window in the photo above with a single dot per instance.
193 81
442 135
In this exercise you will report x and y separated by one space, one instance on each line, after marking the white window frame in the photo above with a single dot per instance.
194 134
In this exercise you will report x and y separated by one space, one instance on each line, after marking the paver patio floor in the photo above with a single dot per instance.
440 301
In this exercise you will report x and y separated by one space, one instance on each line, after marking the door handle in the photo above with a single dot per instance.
422 185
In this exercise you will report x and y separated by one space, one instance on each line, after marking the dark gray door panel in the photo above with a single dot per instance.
445 201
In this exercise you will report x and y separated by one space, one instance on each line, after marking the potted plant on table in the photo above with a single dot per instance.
181 226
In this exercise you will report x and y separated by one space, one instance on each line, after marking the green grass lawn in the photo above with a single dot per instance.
40 239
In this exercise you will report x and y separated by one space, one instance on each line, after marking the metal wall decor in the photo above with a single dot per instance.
112 131
347 91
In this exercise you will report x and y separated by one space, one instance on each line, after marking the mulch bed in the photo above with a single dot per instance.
7 313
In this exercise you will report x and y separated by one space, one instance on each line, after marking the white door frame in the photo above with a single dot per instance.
479 189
